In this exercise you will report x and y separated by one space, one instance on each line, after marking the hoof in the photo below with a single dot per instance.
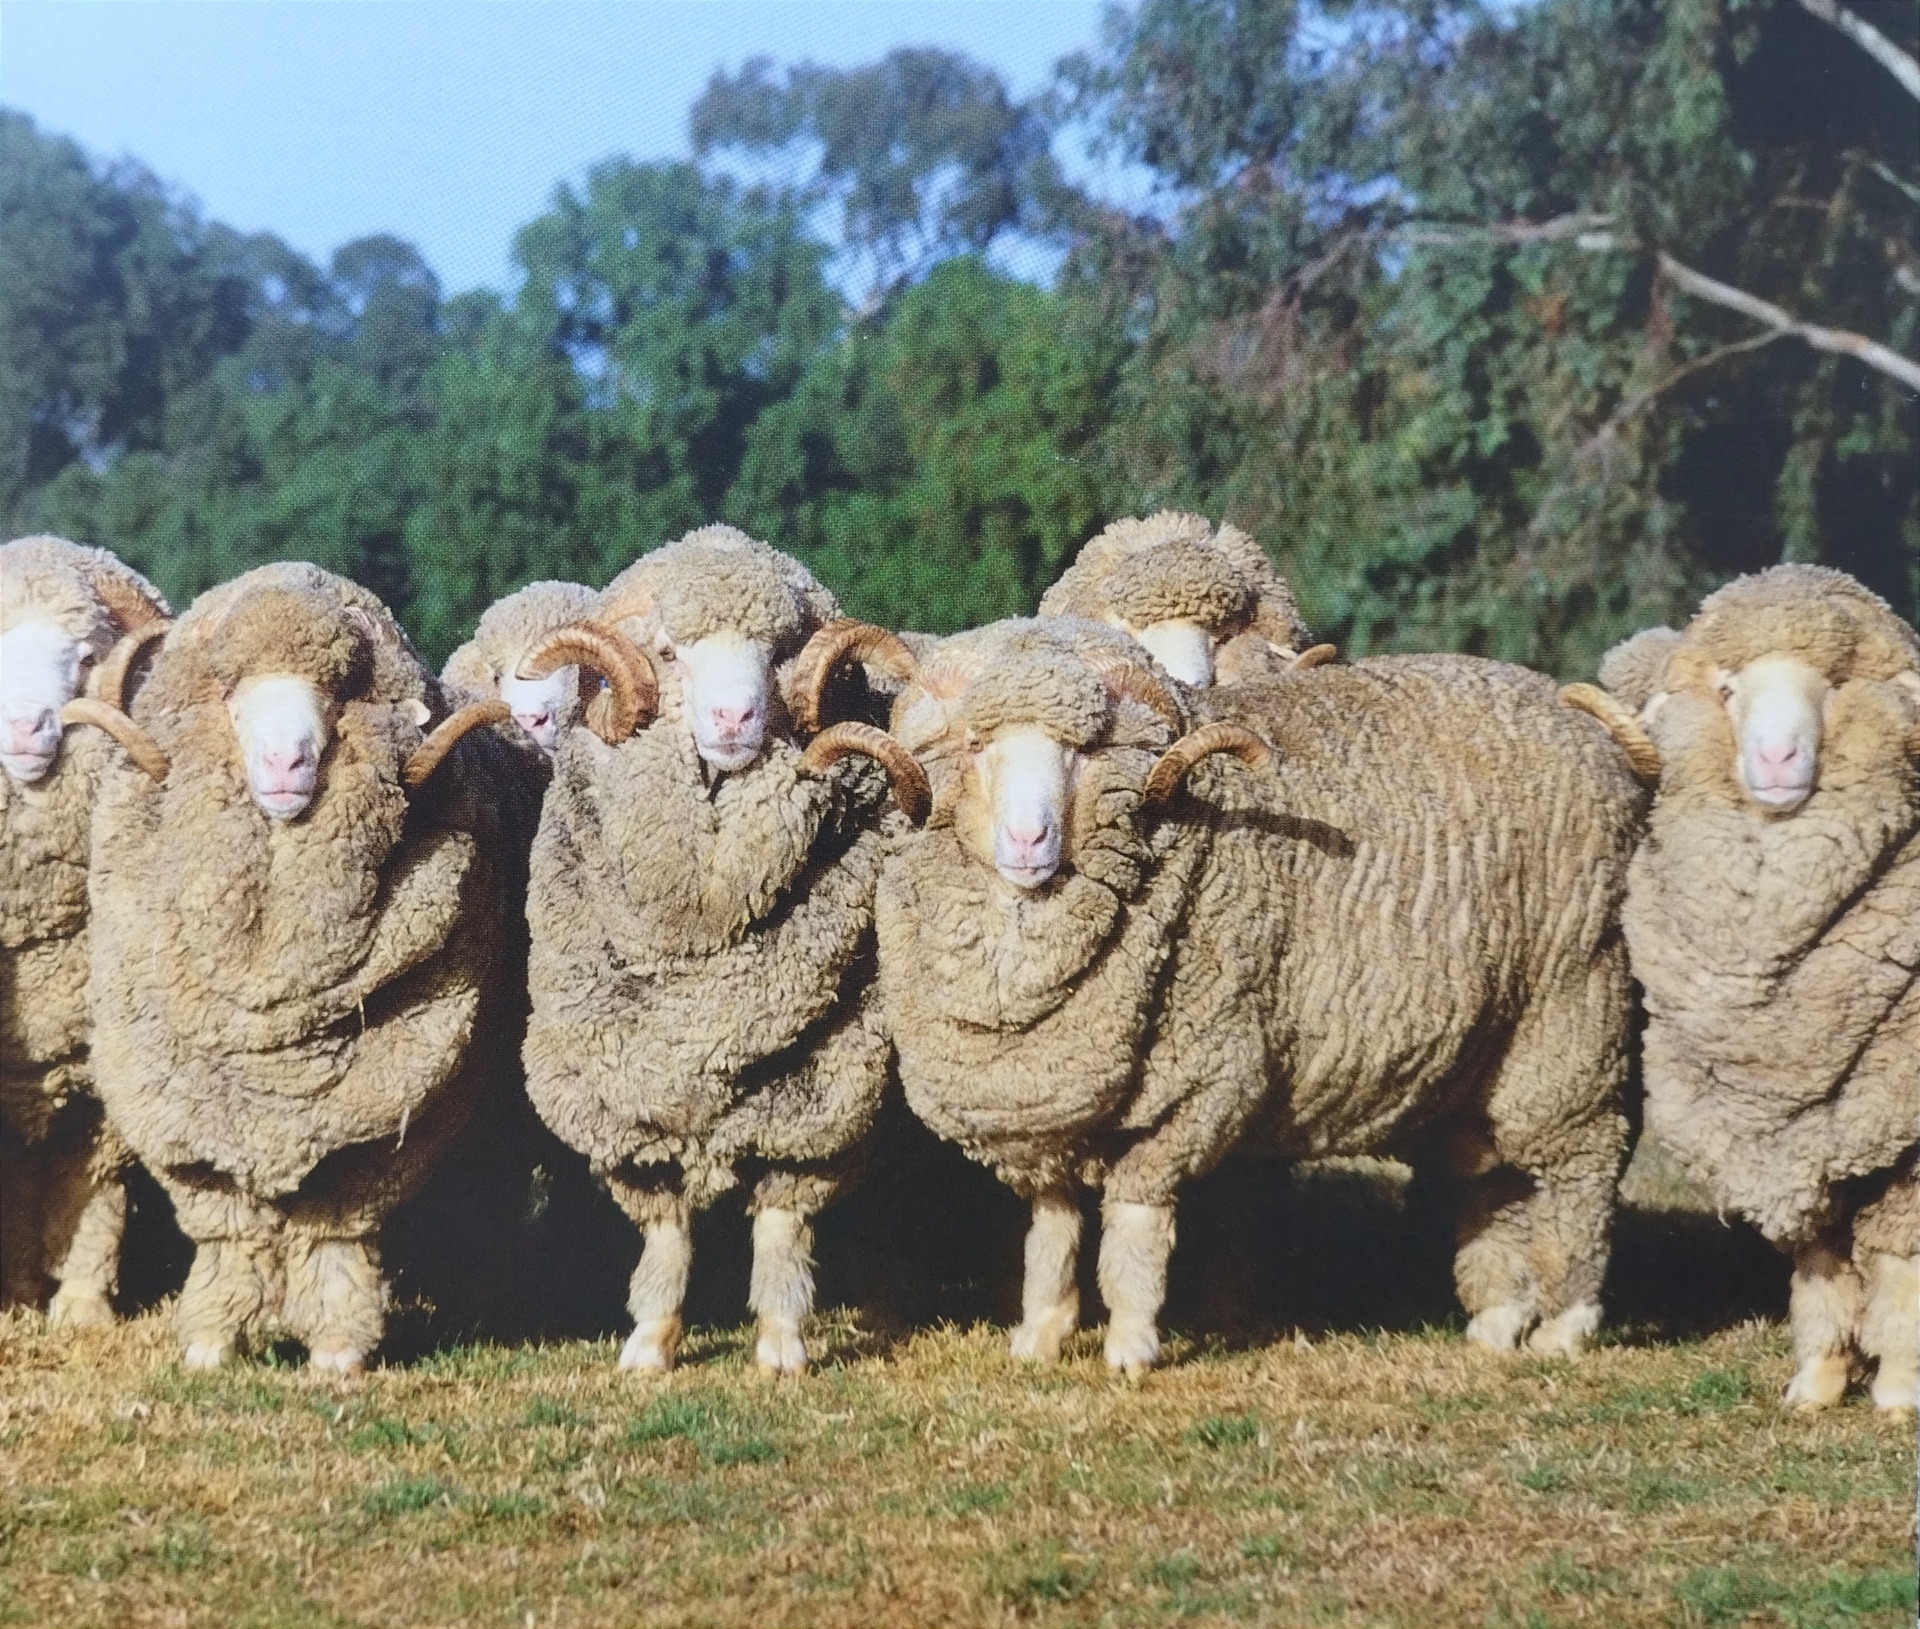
1498 1329
780 1350
1040 1339
1896 1392
652 1346
79 1309
1132 1352
345 1360
206 1354
1567 1333
1820 1383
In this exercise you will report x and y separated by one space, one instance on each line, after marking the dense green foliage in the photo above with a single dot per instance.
1395 308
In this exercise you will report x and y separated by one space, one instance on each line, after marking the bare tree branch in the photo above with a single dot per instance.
1576 225
1863 34
1841 341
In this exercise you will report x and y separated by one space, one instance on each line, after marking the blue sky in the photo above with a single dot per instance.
448 123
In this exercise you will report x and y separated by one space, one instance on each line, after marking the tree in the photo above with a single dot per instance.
937 469
1414 317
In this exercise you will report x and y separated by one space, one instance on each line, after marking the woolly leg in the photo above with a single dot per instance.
1492 1265
22 1184
1571 1225
1825 1314
781 1294
86 1216
1135 1242
1890 1330
238 1277
336 1298
1050 1297
659 1285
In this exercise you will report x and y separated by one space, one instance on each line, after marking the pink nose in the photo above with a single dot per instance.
533 721
1776 755
22 732
281 769
732 720
1025 839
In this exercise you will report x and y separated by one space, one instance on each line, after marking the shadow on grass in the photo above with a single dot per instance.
929 1238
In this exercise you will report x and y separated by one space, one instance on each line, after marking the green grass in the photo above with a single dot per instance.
1365 1479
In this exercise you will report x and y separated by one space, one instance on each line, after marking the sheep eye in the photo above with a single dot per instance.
1725 692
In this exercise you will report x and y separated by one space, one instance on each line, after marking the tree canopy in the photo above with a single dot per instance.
1505 329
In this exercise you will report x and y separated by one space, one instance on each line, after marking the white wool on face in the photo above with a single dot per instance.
40 672
283 724
727 678
537 704
1026 776
1777 705
1183 648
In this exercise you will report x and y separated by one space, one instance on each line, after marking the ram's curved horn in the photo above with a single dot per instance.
425 758
632 690
842 641
1643 757
125 602
140 746
110 677
1313 656
910 788
1173 764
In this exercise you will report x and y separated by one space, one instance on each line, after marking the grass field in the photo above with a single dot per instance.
1384 1476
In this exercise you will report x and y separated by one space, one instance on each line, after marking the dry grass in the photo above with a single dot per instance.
1388 1479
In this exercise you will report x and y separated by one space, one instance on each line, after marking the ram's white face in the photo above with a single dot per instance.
1183 648
1778 708
1023 781
727 678
40 672
283 725
537 704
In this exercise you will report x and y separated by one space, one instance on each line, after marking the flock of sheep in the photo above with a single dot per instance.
704 872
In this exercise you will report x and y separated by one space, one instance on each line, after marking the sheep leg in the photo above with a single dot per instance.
658 1289
1890 1329
1824 1310
86 1215
22 1181
781 1293
1135 1242
1571 1224
1050 1295
1492 1262
237 1281
335 1298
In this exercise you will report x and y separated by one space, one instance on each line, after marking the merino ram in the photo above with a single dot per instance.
295 927
1401 938
1773 915
487 666
1207 603
701 908
73 621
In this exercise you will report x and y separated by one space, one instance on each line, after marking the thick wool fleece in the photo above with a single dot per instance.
1779 955
49 1116
287 1011
1408 932
1175 565
702 946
